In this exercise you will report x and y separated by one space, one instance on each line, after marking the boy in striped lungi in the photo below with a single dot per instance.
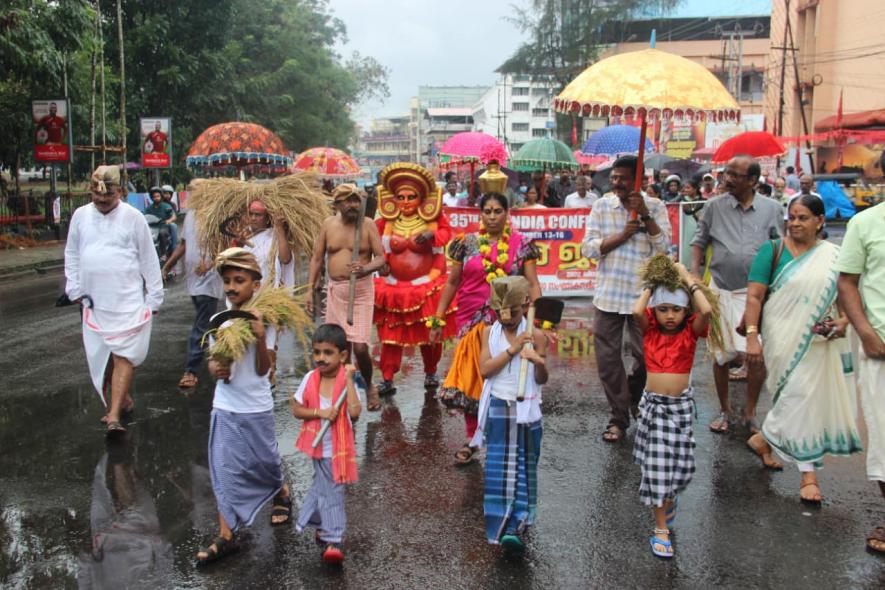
334 457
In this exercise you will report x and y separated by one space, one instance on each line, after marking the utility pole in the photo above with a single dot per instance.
123 134
104 128
780 108
799 93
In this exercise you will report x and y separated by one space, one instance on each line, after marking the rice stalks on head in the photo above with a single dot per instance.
297 199
660 270
280 308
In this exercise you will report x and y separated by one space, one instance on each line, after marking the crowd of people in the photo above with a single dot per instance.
780 300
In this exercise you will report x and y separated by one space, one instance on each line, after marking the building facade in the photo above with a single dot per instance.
386 141
518 108
451 113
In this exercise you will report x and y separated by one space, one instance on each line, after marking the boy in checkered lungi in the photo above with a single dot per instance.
664 446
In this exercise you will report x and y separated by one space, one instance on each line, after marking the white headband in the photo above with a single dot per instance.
664 296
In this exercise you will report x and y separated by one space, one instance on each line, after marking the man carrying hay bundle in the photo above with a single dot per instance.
337 250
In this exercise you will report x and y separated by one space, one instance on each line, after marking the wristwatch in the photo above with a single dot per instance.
644 217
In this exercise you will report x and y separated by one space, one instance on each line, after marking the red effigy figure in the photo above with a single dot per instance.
414 233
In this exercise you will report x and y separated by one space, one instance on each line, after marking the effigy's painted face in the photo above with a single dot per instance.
408 201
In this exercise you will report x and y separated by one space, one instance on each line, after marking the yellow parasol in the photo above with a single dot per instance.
648 84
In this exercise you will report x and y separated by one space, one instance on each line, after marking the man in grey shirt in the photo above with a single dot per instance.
735 224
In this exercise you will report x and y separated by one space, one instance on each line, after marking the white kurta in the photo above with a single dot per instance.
111 259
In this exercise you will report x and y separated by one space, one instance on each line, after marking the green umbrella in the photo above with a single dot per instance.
543 153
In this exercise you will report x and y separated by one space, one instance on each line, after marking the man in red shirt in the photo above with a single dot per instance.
54 125
158 140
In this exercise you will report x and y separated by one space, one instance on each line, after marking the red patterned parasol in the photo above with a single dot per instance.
327 162
237 144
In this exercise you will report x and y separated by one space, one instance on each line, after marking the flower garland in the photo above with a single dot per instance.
494 269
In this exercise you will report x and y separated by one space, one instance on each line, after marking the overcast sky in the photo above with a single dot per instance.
455 42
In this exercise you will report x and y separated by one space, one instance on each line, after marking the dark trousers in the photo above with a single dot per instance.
205 307
622 392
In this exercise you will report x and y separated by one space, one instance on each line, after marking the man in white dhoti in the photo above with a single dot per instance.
113 271
862 293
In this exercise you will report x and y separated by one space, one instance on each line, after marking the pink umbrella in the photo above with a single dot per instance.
471 147
598 161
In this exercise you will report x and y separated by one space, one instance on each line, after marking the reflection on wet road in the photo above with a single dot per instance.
76 512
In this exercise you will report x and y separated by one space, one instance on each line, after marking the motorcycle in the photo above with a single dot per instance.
160 236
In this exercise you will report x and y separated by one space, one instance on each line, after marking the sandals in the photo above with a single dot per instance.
763 450
720 424
188 381
333 554
125 413
667 551
114 429
613 433
512 544
281 507
877 535
811 501
465 455
223 548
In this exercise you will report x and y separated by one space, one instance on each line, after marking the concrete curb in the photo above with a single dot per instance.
13 272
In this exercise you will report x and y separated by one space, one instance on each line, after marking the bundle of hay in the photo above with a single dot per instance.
660 270
297 198
280 308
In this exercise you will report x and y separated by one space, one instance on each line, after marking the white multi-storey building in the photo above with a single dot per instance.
516 109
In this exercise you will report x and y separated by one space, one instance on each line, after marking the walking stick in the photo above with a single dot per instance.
546 309
355 257
524 363
327 423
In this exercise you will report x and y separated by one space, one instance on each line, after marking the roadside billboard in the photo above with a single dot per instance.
156 142
52 130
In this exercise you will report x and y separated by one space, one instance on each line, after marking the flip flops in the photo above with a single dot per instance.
281 507
667 552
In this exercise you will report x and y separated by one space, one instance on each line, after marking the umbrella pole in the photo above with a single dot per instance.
640 166
470 196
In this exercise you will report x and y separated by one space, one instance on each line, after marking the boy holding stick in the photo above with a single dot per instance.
327 400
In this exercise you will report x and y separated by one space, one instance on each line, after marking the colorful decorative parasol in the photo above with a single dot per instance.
327 162
543 153
648 84
237 144
474 146
758 144
615 140
592 161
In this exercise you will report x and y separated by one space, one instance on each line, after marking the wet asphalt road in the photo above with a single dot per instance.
76 513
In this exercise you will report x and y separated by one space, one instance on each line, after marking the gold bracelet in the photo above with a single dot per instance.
752 330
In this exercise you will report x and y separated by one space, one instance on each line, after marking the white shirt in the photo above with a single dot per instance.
111 258
262 247
210 283
327 403
450 200
575 201
248 392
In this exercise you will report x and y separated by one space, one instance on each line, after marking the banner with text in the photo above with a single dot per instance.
558 233
562 269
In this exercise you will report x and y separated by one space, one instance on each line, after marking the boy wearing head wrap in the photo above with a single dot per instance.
510 429
664 446
113 271
334 251
244 460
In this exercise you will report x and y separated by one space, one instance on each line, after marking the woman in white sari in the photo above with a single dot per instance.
808 360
